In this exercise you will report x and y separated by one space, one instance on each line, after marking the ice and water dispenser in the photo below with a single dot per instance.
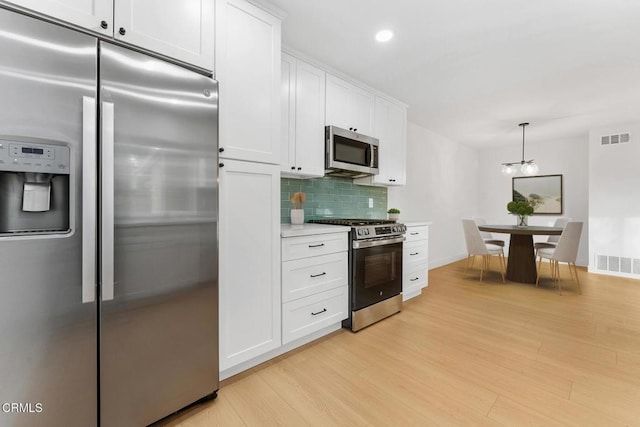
34 187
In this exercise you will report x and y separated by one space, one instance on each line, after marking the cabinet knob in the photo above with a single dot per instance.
350 128
122 31
355 129
299 168
104 24
221 150
293 168
221 165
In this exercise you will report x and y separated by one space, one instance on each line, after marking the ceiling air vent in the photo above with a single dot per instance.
619 138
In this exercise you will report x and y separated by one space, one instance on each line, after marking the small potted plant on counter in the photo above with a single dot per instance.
522 210
394 214
297 213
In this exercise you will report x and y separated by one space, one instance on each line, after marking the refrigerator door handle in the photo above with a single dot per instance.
89 199
107 217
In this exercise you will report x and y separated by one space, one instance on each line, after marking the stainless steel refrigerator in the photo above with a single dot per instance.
108 231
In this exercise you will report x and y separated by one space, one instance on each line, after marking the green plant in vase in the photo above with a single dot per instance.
522 210
394 214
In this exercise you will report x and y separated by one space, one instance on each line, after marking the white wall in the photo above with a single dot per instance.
569 158
614 196
442 185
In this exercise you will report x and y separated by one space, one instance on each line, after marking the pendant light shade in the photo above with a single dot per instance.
527 167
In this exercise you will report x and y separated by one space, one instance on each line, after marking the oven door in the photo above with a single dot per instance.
376 272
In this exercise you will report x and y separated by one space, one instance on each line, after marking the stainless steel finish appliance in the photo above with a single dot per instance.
375 269
108 231
349 153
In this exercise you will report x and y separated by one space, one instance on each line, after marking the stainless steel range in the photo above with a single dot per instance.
375 269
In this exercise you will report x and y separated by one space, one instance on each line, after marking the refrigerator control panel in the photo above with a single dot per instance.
28 157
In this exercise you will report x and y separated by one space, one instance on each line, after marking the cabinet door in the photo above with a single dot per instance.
309 125
338 98
362 103
248 69
288 114
390 128
183 30
250 301
85 13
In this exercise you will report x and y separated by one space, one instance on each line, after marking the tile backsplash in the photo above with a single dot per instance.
335 197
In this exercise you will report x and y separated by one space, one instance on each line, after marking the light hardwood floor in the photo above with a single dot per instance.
463 353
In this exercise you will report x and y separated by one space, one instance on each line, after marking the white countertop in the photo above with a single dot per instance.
415 223
289 230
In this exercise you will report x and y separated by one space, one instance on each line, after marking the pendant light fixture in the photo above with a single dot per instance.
527 167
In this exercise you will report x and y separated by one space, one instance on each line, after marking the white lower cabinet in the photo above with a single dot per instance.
306 315
314 283
249 287
311 275
415 261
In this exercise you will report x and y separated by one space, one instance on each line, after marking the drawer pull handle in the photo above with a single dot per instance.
413 280
415 253
414 234
318 275
316 246
321 311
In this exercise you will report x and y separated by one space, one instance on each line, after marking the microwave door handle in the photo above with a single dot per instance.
368 156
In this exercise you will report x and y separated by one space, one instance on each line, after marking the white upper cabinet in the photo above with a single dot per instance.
95 15
178 29
349 106
391 129
302 93
183 30
248 69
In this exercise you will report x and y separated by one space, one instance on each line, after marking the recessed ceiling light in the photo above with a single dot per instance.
384 35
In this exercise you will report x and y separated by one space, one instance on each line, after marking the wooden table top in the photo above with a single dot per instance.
528 230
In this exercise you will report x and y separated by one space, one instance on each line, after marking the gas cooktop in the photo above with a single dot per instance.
353 222
366 228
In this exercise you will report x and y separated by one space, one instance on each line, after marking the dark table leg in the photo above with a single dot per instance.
521 266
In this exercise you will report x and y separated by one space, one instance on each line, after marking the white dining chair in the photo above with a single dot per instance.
552 241
565 251
477 246
486 236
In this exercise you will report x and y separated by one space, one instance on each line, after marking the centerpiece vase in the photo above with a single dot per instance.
522 221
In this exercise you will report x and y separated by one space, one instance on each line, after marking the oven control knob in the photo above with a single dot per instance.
366 231
360 232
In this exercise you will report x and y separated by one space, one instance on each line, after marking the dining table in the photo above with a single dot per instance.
521 262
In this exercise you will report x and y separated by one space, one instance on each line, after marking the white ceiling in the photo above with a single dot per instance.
472 70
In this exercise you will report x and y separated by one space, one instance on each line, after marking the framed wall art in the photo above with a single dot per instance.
543 192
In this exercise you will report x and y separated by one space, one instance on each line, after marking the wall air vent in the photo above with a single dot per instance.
618 266
619 138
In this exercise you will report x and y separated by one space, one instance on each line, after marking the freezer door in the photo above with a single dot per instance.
48 337
159 317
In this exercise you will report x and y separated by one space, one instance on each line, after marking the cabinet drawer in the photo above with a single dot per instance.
318 244
411 279
307 276
417 233
414 253
307 315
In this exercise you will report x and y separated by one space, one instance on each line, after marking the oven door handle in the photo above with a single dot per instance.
371 243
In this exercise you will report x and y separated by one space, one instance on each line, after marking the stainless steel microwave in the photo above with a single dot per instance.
349 153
